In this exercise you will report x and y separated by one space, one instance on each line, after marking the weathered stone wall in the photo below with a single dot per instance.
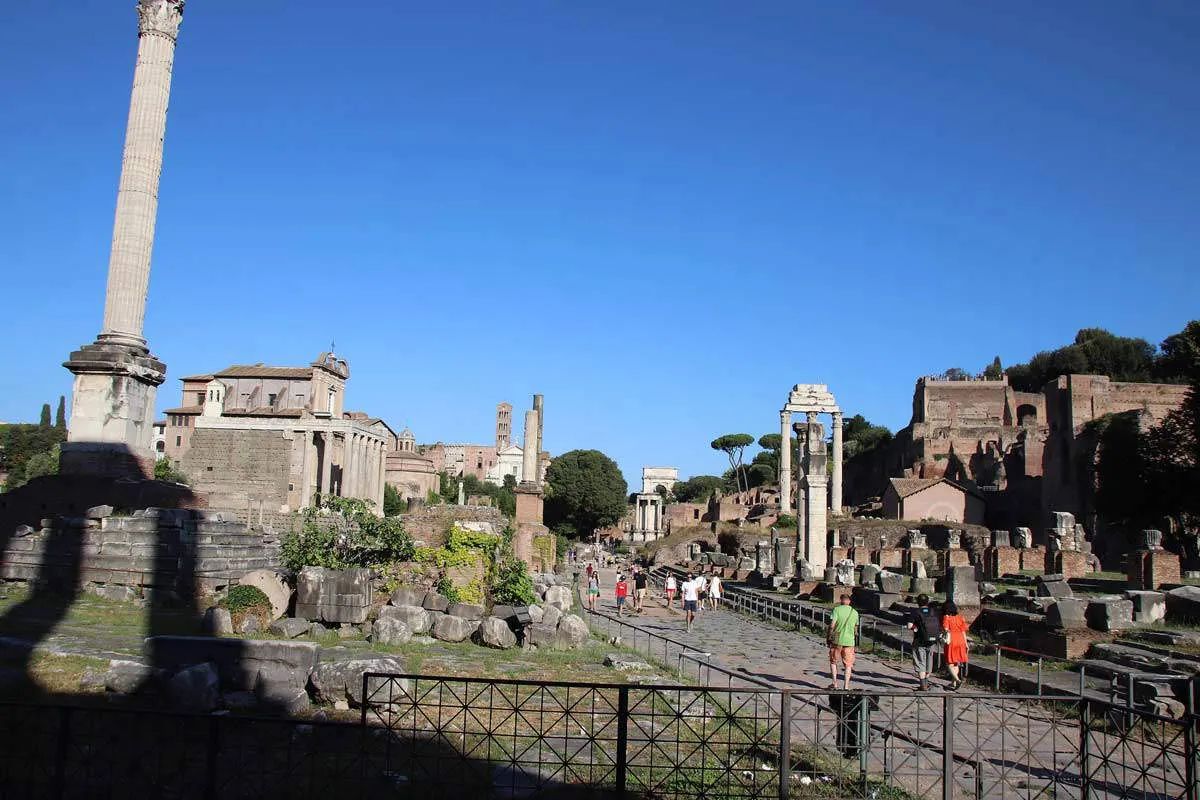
153 548
431 524
236 468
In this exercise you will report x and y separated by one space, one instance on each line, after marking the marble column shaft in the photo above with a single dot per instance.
835 476
529 455
785 462
141 167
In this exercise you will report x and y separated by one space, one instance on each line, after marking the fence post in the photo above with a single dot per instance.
1085 768
997 668
1189 756
64 739
214 747
948 747
622 736
1039 677
785 743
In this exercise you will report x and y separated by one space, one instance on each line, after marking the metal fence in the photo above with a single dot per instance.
514 738
435 737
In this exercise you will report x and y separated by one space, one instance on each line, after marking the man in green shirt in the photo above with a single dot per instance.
843 624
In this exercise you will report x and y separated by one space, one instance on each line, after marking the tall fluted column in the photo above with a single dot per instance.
529 453
835 490
785 462
141 166
112 402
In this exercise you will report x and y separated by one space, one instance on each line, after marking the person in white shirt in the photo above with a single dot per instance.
669 589
714 591
691 598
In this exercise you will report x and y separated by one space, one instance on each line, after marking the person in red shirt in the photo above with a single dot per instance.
622 591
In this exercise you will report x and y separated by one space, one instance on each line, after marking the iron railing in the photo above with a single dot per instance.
435 737
463 736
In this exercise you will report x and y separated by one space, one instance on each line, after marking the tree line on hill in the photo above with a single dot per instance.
29 451
1095 351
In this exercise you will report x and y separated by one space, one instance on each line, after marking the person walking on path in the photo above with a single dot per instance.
593 592
843 626
714 591
691 598
621 590
926 628
669 589
956 643
640 583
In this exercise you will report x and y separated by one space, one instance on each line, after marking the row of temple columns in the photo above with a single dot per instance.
785 462
362 472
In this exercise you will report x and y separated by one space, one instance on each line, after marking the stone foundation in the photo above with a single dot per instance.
861 556
914 554
1070 563
1033 559
837 554
1150 569
949 559
154 548
889 558
1001 561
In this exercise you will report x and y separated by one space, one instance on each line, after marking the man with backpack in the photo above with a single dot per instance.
926 626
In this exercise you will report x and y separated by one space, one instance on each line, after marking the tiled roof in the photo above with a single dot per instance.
264 411
259 371
185 410
908 486
191 378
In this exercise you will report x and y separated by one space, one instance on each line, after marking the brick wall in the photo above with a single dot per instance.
431 523
236 468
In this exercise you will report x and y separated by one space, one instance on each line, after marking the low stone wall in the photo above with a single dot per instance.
152 548
431 524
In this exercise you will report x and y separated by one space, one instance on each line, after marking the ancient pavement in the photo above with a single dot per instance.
1002 746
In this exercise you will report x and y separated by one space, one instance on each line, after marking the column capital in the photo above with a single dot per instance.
837 419
160 17
811 416
785 416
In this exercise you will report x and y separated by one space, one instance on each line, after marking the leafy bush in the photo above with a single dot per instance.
512 584
341 533
785 521
241 598
163 471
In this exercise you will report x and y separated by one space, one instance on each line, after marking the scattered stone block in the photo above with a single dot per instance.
1053 585
559 596
453 629
572 633
465 611
1109 613
241 664
922 586
1148 607
390 631
289 628
869 576
99 512
1067 613
435 602
416 618
218 621
536 613
273 586
918 569
249 625
891 582
316 630
407 596
494 632
541 635
804 571
194 688
873 601
343 681
24 530
1001 539
551 616
350 632
622 663
331 595
1183 605
961 585
126 677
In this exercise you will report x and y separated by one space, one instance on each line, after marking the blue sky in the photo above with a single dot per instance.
660 215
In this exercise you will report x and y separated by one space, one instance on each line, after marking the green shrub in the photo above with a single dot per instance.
341 533
512 584
241 598
785 521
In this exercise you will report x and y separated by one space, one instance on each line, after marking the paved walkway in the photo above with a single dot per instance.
1002 747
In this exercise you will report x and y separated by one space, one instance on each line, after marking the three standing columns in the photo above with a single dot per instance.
785 462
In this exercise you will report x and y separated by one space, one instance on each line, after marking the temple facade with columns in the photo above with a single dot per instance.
277 437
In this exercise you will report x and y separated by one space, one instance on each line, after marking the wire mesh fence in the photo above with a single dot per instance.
434 737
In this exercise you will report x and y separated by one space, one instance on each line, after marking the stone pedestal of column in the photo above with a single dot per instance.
529 504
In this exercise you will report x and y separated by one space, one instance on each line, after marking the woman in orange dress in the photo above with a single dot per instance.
956 643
